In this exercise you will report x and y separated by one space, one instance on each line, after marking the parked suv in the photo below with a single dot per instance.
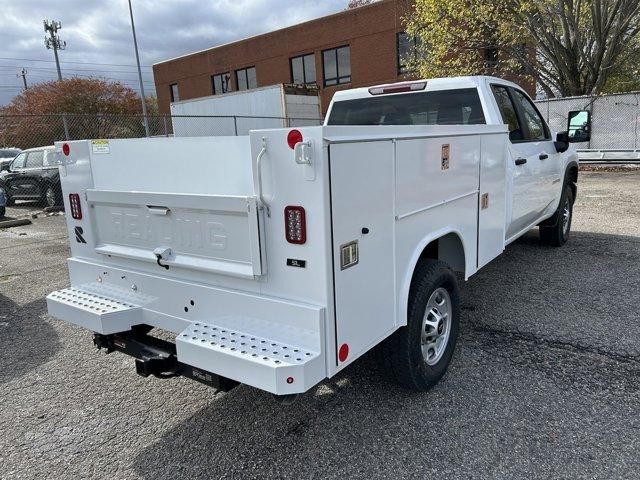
32 177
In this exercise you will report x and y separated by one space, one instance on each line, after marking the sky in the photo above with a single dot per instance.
99 40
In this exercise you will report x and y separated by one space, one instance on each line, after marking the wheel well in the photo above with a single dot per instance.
448 249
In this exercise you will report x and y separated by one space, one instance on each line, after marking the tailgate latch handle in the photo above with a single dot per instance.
158 210
162 253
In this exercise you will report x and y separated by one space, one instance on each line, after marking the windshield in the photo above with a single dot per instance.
8 152
445 107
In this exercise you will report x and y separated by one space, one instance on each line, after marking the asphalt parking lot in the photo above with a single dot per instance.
545 382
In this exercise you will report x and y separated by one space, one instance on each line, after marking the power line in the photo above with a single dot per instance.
78 63
78 70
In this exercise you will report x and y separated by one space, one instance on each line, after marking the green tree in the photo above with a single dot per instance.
570 47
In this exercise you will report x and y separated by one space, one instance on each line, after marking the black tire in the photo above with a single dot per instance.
557 233
3 210
402 353
50 197
10 202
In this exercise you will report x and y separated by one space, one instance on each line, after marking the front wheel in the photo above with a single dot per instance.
557 234
418 354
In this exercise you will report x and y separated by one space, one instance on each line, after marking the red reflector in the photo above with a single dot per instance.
295 225
290 380
65 149
74 203
398 88
343 353
294 137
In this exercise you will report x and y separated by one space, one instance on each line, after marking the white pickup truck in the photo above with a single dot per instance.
278 258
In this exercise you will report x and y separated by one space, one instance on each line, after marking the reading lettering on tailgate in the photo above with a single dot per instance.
188 229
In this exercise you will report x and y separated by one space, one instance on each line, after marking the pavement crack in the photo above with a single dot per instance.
559 344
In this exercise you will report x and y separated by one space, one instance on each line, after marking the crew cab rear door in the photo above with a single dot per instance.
532 153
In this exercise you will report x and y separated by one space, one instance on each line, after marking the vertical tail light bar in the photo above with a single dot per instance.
295 225
76 209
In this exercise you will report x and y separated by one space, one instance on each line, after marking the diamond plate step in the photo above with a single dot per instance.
261 362
95 312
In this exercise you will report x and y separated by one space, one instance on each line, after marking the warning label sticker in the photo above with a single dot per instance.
100 146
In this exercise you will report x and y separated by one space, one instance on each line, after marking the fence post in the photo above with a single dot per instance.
164 121
66 127
235 124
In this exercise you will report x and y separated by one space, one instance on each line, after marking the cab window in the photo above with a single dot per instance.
536 129
445 107
34 159
19 161
508 112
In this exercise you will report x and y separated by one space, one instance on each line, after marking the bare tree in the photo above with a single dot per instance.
570 47
358 3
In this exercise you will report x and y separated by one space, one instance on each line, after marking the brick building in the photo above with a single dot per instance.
352 48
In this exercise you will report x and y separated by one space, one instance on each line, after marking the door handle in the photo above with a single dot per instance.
543 156
521 161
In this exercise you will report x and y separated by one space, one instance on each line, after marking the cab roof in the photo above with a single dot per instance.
433 84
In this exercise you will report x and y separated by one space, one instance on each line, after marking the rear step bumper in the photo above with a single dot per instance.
264 354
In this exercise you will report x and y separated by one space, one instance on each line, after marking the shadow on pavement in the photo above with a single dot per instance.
360 418
26 339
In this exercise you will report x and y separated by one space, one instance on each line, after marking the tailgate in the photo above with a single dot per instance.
211 233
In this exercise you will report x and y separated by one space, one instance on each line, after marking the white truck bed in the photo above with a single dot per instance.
243 302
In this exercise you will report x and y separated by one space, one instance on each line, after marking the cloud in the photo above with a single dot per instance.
98 32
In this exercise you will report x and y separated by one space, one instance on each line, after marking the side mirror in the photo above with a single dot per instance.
579 126
562 142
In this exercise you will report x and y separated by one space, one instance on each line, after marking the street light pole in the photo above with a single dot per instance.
135 45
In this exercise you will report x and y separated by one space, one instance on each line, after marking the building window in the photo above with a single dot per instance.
173 92
303 69
407 53
246 78
221 83
337 66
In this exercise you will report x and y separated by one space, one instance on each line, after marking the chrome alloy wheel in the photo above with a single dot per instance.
436 326
566 216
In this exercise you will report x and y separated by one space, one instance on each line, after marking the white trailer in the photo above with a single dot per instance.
237 113
279 258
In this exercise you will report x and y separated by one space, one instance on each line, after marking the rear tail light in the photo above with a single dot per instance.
398 88
66 149
295 225
76 209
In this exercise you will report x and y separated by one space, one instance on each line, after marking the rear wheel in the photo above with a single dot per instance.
418 355
557 234
50 197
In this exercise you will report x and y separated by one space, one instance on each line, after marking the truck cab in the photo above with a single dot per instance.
539 160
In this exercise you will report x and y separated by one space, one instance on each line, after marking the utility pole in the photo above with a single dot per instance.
53 42
142 97
23 74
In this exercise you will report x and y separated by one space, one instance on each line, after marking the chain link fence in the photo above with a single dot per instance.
29 181
614 123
